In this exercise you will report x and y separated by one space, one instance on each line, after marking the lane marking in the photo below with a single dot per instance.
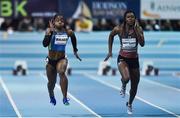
75 99
162 85
10 98
160 43
118 88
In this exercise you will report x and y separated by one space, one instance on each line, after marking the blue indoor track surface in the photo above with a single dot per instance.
91 95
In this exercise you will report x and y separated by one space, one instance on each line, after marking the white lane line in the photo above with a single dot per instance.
75 99
10 98
160 43
162 85
118 88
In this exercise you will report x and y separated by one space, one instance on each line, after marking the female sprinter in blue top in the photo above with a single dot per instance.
130 34
56 38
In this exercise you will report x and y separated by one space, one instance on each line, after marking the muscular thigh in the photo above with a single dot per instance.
51 72
124 70
62 65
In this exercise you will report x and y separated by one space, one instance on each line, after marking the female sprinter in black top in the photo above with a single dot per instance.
130 34
56 38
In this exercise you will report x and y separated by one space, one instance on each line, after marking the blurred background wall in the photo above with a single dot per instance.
33 15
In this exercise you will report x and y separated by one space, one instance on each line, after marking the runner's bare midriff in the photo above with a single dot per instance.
56 55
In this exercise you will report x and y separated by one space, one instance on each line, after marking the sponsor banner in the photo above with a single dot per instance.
109 9
160 9
24 8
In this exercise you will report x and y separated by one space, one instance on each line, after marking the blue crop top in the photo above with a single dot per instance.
58 41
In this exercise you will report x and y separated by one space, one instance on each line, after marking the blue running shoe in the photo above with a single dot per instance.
66 101
53 100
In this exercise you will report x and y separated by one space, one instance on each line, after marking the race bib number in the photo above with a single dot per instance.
128 43
61 39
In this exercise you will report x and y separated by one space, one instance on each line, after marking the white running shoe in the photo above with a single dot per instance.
123 92
129 108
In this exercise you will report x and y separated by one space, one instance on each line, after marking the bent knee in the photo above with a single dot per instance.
126 78
61 70
61 73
